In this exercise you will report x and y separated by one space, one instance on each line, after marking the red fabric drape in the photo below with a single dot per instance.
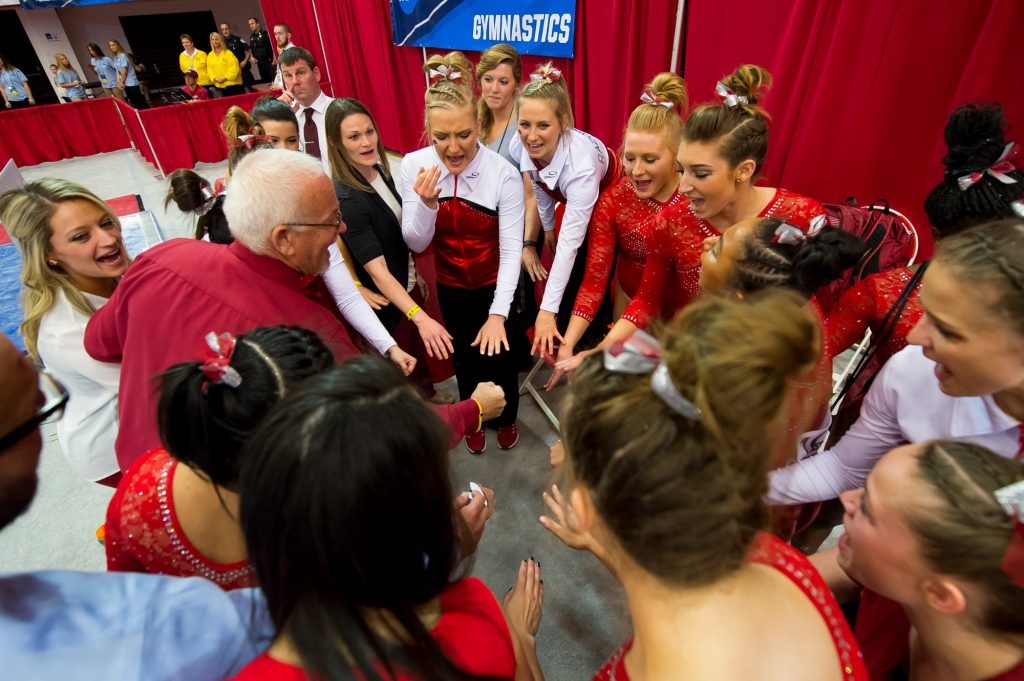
58 131
862 90
620 45
134 130
300 17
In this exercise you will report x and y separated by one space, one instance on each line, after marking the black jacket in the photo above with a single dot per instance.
374 231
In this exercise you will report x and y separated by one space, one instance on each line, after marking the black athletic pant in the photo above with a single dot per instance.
134 95
602 318
464 312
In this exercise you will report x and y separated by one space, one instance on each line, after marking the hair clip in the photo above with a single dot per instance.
731 98
649 97
998 170
641 354
1011 498
789 235
218 367
444 72
550 73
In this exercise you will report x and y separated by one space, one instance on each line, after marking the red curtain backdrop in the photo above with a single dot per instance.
58 131
862 90
301 19
620 45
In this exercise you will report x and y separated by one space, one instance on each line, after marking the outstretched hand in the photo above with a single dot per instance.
425 186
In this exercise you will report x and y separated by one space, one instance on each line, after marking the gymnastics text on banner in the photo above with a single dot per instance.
540 27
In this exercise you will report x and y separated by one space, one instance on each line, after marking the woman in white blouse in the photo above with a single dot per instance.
566 166
72 256
962 378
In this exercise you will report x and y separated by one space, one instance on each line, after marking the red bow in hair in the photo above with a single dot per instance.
443 72
248 141
551 74
217 367
649 97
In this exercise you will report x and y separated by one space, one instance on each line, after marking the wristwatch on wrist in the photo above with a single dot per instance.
530 242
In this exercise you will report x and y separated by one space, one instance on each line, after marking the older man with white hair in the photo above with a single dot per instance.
283 213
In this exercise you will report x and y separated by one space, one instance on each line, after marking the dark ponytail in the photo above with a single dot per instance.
804 266
975 137
185 189
203 423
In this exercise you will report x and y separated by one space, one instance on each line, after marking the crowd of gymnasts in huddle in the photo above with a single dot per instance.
678 461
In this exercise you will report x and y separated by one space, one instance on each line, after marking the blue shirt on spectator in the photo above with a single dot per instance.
105 70
69 76
122 62
13 82
126 626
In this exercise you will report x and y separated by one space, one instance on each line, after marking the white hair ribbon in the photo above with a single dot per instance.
1011 498
650 98
551 74
442 72
997 170
641 354
731 98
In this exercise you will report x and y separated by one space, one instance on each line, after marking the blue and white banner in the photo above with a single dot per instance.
541 27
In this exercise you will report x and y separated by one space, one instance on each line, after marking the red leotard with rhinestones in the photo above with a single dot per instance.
677 240
143 533
771 551
620 226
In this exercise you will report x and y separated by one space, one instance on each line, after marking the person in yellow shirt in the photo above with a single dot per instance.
223 69
192 59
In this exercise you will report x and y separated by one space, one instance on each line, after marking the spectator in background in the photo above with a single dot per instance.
192 89
242 53
193 59
301 83
262 51
140 73
103 67
56 85
223 69
17 94
68 78
126 78
283 38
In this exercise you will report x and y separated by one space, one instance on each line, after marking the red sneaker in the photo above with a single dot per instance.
508 436
476 443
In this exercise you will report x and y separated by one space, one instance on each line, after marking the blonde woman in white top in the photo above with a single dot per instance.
72 257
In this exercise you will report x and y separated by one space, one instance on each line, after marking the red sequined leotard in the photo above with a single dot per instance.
677 241
771 551
620 227
144 535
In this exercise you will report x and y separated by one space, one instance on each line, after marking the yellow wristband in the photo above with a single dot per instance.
412 310
357 282
480 421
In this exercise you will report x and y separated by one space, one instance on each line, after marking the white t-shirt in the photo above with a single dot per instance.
89 426
319 107
904 405
576 170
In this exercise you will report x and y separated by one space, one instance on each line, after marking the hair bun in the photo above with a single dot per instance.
669 87
454 67
975 138
750 81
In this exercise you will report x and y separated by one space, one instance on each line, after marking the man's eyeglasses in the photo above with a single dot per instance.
334 225
55 398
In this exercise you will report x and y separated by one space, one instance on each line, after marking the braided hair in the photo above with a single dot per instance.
975 136
203 423
804 266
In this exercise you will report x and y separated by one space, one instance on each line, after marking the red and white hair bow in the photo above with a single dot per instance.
731 98
217 367
997 170
791 235
444 72
649 97
551 74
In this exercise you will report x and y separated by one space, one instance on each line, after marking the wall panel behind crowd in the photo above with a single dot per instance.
99 23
